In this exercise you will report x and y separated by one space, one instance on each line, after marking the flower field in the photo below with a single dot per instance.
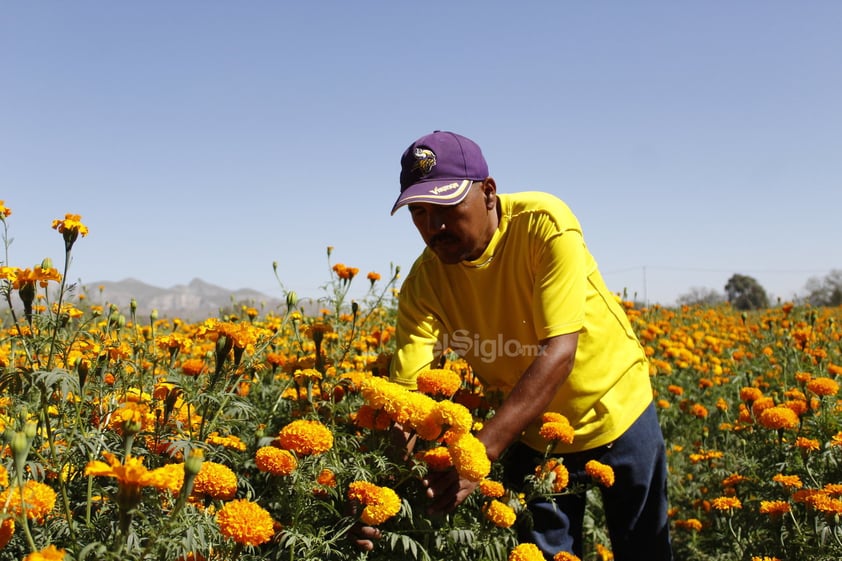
268 433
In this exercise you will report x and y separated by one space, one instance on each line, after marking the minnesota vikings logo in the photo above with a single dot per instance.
425 160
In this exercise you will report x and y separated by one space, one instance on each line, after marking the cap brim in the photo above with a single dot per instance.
434 192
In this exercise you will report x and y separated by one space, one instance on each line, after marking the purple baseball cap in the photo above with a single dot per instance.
439 168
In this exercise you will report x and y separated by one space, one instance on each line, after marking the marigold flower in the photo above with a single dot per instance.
193 367
245 522
565 556
778 417
491 489
169 477
791 481
453 416
774 507
306 437
807 444
764 558
7 530
526 552
556 428
4 210
500 514
698 410
39 499
691 524
601 473
379 503
469 457
49 553
216 481
275 461
326 478
823 386
4 476
726 503
437 458
438 382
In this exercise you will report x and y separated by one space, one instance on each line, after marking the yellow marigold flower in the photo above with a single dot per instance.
39 497
438 382
491 489
469 457
437 458
245 522
70 228
306 437
129 474
275 461
453 416
7 530
726 503
778 417
4 476
823 386
774 507
565 556
764 558
526 552
232 442
500 514
4 210
791 481
691 524
169 477
49 553
599 472
379 503
216 481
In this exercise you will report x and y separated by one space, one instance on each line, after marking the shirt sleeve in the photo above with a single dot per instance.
417 342
561 282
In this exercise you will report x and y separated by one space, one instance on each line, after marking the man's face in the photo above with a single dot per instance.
459 232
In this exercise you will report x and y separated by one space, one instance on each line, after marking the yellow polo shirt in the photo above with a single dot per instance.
535 280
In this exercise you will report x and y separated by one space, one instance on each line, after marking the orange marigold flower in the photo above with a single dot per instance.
306 437
565 556
169 477
379 503
556 428
807 444
834 369
453 416
70 228
193 367
599 472
823 386
216 481
778 417
675 390
4 476
726 503
326 478
7 530
500 514
49 553
245 522
492 489
698 410
733 479
526 552
437 458
692 524
764 558
773 507
4 210
791 481
275 461
439 382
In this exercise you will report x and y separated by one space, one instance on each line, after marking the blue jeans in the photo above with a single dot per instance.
635 506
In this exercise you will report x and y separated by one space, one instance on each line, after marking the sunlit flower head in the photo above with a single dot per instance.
565 556
275 460
726 503
438 382
599 472
492 489
216 480
70 228
306 437
437 458
556 428
823 386
379 503
526 552
49 553
774 507
39 499
4 210
498 513
245 522
469 457
778 417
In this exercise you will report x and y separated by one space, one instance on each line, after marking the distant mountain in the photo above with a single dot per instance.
195 301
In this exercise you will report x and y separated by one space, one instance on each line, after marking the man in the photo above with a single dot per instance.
507 281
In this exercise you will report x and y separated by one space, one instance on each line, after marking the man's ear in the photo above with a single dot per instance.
489 188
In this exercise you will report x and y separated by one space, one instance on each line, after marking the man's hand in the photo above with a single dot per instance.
446 490
364 536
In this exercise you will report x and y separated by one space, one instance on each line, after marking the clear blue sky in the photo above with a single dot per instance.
207 139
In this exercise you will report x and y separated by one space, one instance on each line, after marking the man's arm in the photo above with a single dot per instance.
527 401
